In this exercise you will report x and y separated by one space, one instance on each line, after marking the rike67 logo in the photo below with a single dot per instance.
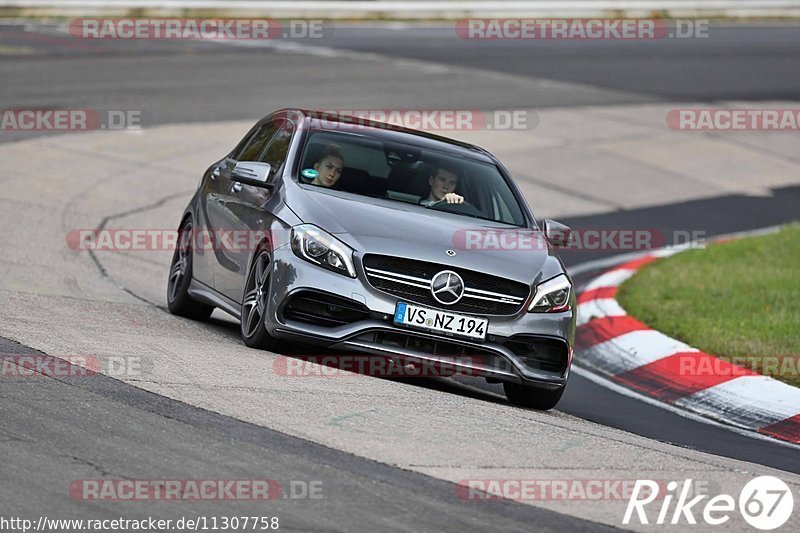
765 503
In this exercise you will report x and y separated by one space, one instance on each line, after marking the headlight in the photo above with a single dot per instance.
323 249
552 296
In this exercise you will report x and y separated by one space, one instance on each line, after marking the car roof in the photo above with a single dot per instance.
328 121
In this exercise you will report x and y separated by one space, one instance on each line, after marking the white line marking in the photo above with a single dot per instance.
632 350
749 401
615 278
606 262
599 308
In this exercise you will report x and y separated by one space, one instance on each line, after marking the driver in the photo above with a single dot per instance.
443 181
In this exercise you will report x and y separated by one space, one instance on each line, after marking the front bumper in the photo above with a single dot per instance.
514 350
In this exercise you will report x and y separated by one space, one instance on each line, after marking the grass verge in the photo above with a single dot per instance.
739 300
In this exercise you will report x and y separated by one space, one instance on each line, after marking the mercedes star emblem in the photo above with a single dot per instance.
447 287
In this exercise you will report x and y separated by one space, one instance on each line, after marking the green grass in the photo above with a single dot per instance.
739 300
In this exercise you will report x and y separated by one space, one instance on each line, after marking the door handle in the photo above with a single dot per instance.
236 187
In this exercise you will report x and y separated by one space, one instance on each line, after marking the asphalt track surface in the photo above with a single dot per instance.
194 82
183 442
174 82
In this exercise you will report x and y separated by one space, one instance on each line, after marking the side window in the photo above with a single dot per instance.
250 149
275 154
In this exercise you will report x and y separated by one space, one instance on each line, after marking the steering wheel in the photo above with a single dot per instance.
464 208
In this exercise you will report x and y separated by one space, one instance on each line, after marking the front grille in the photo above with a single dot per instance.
410 280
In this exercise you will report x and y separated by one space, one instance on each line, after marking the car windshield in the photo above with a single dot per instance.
407 173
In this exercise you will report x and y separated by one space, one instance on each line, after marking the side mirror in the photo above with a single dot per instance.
557 233
252 173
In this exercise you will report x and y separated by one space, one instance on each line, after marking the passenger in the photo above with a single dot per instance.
329 166
443 182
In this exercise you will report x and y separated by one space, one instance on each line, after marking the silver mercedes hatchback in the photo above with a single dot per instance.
375 239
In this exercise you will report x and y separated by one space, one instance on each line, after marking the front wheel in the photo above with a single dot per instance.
534 397
180 276
254 306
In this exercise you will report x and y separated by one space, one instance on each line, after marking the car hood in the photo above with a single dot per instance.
379 226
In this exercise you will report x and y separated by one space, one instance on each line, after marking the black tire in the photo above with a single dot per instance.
180 276
534 397
254 304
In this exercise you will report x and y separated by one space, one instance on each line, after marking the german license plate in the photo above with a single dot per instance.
428 319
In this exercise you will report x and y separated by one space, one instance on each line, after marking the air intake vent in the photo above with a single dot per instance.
323 309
